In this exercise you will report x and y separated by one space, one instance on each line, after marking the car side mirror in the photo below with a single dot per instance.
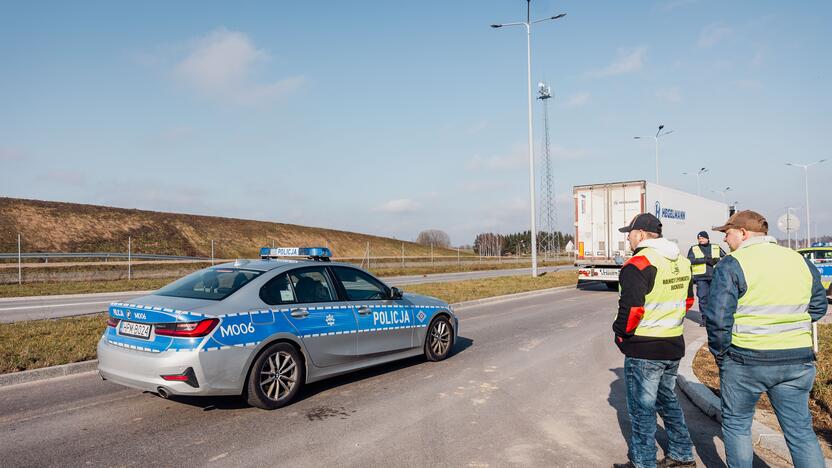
396 293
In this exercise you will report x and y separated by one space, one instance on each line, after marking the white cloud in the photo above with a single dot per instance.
11 155
713 34
566 154
670 94
400 206
628 60
220 65
477 127
578 100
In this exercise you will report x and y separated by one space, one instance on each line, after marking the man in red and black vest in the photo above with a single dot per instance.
656 294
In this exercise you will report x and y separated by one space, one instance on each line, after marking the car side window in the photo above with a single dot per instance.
360 286
312 285
278 291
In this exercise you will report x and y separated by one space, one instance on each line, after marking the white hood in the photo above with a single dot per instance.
666 248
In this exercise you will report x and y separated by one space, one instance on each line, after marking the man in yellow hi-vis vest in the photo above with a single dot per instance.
656 294
703 256
763 301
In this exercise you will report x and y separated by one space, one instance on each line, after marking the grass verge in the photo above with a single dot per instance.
820 401
41 343
146 284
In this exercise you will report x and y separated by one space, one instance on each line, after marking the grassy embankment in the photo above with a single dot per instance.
820 402
41 343
145 284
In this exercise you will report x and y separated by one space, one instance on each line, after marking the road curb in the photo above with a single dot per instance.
763 436
508 297
44 373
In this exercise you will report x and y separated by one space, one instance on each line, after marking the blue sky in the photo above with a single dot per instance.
394 117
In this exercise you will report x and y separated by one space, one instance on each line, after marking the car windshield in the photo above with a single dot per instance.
213 284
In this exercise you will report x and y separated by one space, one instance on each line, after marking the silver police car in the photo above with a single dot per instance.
263 328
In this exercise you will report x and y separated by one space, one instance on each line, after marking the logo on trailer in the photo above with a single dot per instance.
330 319
669 213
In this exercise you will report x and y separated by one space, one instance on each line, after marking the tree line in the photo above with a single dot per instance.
519 243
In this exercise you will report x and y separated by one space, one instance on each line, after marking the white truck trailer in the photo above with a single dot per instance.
600 209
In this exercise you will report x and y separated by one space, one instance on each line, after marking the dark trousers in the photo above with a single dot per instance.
703 288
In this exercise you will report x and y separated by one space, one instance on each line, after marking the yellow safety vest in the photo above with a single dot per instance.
700 269
665 305
773 312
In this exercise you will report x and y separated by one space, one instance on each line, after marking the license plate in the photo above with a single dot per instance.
136 330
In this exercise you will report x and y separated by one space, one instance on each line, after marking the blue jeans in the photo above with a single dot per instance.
788 389
650 388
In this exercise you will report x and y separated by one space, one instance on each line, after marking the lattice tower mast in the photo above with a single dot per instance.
548 207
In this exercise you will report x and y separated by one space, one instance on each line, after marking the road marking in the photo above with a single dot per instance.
2 309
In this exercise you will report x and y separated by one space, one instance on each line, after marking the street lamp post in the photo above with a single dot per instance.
658 135
528 24
697 174
788 225
722 192
806 179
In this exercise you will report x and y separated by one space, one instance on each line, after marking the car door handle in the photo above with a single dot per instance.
364 311
299 313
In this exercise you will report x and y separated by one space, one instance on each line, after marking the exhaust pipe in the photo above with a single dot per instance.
162 392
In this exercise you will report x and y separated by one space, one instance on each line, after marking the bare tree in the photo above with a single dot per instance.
434 237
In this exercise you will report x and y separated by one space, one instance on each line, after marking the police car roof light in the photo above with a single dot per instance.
321 254
821 244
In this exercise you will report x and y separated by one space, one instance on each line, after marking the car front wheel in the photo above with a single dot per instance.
276 377
440 339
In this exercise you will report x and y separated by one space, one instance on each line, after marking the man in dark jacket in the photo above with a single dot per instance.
764 299
703 256
656 293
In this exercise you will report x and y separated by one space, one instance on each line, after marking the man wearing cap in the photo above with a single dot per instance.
703 256
763 301
656 293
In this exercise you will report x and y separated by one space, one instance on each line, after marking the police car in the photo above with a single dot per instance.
264 328
820 254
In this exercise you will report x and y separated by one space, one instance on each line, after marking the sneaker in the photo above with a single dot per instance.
629 464
668 462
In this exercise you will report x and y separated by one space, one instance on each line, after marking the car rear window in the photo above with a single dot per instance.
214 284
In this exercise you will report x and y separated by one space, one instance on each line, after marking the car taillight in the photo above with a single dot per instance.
112 322
187 329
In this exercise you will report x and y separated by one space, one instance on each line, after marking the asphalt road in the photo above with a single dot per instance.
31 308
535 381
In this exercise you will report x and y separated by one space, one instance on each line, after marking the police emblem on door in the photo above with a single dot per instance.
330 319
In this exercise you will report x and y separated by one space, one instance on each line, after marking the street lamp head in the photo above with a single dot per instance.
636 138
559 16
495 26
661 127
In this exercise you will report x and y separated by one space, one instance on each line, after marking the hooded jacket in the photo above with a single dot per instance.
637 279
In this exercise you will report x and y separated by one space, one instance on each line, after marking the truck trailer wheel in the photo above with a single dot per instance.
612 285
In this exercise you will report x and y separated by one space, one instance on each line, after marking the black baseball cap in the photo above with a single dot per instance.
644 222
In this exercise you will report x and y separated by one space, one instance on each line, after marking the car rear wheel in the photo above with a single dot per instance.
275 377
440 339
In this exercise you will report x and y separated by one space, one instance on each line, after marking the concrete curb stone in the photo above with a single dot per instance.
763 436
44 373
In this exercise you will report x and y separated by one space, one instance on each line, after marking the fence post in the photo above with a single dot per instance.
129 258
212 252
402 254
19 266
431 253
457 256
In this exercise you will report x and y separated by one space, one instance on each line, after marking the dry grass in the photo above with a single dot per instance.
81 287
820 403
70 227
469 266
460 291
41 343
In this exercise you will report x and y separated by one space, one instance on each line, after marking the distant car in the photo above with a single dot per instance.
264 328
820 253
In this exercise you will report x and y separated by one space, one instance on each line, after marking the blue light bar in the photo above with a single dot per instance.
821 244
311 252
